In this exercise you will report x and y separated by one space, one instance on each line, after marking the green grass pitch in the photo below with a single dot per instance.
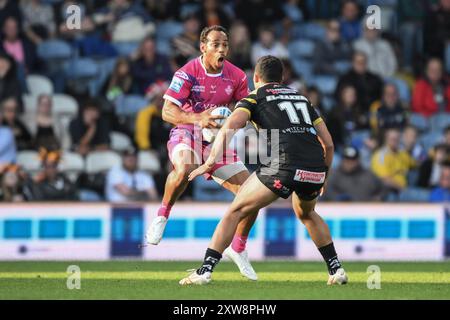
277 280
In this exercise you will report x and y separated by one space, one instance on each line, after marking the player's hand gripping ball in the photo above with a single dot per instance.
210 134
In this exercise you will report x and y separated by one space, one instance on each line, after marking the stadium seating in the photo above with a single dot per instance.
301 49
127 105
38 84
326 84
149 161
29 160
402 88
313 31
54 50
412 194
439 122
81 74
419 121
342 66
302 68
126 48
72 164
430 139
101 161
120 141
64 104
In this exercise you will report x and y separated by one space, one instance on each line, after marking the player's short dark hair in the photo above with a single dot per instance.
207 30
270 69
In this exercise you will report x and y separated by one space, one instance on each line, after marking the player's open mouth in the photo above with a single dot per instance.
221 59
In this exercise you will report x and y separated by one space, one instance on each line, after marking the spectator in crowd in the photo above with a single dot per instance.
436 31
9 109
431 93
152 132
255 13
430 170
267 45
127 183
13 184
10 8
124 20
315 97
47 134
442 192
345 183
8 150
149 66
51 184
9 83
120 82
392 164
349 21
240 46
19 47
186 45
368 85
39 21
381 59
290 77
346 117
411 144
88 131
212 14
388 112
330 50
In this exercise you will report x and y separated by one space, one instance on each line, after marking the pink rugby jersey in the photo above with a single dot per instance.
195 90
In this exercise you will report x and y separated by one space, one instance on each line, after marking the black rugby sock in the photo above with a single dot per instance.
212 258
330 256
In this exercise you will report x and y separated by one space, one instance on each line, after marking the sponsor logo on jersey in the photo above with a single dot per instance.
198 88
279 186
308 176
182 75
176 84
228 90
281 90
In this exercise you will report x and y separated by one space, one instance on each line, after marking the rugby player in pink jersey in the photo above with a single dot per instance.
196 89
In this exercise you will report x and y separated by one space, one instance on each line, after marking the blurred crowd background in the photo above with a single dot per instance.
80 109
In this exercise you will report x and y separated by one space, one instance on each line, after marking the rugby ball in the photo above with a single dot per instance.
210 134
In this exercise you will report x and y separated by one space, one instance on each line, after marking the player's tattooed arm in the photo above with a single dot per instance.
173 114
236 121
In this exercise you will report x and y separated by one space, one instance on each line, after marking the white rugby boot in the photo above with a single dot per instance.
197 279
340 277
155 230
241 260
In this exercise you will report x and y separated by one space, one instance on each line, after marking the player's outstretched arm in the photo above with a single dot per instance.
173 114
237 120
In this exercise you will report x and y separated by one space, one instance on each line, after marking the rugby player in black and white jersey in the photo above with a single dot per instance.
300 168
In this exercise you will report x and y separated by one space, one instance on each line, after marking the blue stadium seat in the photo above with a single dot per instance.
166 30
342 66
302 68
412 194
81 68
301 48
430 139
313 31
402 88
419 121
131 104
326 84
126 48
439 122
54 49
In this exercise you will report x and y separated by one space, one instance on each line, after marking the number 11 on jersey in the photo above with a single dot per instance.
291 108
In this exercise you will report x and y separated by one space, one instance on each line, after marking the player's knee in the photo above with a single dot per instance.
182 172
